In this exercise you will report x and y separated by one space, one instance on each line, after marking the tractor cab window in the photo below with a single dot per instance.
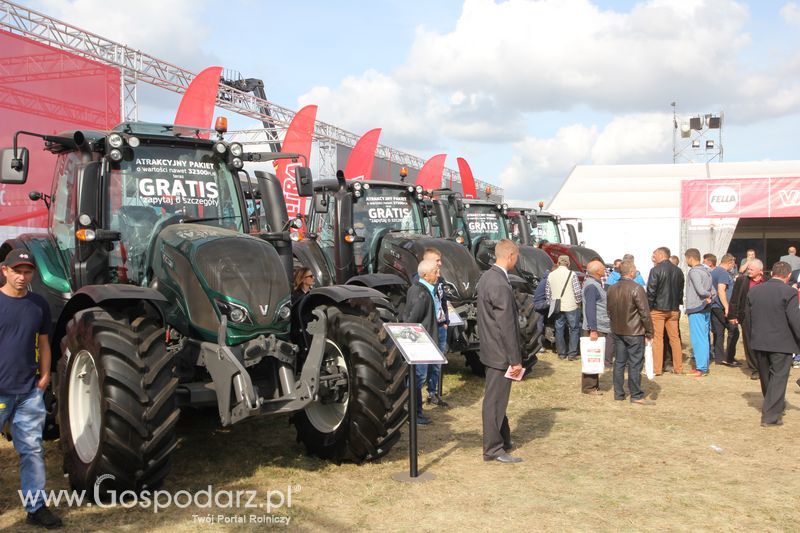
483 221
546 230
158 186
379 211
64 204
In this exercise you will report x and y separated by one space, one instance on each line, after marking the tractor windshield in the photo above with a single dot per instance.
158 184
483 221
546 230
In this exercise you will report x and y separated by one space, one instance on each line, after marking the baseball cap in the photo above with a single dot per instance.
18 257
563 260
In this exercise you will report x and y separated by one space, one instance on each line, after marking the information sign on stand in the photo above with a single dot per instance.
417 347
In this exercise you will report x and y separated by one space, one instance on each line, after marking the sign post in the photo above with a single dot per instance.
417 347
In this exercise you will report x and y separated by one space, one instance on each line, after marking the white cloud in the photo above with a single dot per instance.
539 166
172 31
790 13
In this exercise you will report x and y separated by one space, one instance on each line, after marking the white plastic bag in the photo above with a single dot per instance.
648 360
593 355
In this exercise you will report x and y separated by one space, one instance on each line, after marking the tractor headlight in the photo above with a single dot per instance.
366 186
450 290
357 186
285 311
133 142
419 189
237 163
235 313
220 148
411 189
115 140
115 154
236 150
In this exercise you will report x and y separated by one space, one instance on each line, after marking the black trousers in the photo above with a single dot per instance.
630 355
496 432
611 348
720 325
773 371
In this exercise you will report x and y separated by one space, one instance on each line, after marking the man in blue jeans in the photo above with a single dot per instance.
24 327
563 286
699 293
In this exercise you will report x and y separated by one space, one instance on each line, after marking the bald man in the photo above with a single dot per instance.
596 323
791 258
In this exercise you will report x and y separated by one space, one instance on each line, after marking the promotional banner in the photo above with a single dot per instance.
467 179
46 90
741 198
430 175
197 105
359 164
298 140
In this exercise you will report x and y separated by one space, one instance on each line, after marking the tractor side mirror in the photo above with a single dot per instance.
580 226
321 202
458 204
304 181
14 170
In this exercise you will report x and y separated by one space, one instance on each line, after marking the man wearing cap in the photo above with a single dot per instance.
564 294
24 331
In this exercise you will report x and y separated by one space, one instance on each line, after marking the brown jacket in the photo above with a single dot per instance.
628 309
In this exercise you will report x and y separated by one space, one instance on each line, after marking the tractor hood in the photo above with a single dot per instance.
533 263
207 272
403 252
579 255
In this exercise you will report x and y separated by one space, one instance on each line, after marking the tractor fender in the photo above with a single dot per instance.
355 295
377 280
96 295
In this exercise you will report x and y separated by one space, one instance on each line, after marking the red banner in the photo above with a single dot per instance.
741 198
467 180
359 164
197 105
298 140
430 175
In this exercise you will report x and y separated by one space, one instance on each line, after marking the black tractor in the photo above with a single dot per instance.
373 234
162 299
479 225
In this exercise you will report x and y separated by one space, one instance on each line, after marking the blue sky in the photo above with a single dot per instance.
523 90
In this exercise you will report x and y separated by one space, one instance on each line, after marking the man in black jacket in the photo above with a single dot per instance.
737 309
421 308
664 296
500 350
774 332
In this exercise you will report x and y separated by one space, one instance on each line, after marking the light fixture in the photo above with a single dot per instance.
685 130
696 123
696 143
709 144
714 122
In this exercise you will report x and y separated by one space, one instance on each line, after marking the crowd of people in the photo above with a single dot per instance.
718 298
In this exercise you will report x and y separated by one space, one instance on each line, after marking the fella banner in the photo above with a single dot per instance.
741 198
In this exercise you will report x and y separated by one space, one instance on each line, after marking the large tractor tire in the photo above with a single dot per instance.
360 418
116 401
530 330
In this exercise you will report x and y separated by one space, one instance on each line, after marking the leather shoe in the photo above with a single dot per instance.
509 446
504 458
423 420
771 424
754 376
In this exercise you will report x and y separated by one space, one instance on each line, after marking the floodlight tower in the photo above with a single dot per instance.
697 138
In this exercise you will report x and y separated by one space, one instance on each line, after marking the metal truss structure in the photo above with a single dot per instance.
136 66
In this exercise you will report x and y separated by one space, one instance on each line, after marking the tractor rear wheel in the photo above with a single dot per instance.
116 400
363 392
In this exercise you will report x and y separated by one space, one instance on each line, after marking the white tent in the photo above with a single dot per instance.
637 208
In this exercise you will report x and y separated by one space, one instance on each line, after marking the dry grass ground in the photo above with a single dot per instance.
591 463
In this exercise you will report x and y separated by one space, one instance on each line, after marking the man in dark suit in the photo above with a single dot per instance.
774 332
499 333
421 308
737 307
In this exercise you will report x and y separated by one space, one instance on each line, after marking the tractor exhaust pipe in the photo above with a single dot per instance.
276 215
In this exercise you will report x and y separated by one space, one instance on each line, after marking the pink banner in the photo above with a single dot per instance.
298 140
467 179
197 105
359 164
430 175
741 198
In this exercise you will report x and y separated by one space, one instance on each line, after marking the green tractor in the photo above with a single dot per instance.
373 233
480 224
163 299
